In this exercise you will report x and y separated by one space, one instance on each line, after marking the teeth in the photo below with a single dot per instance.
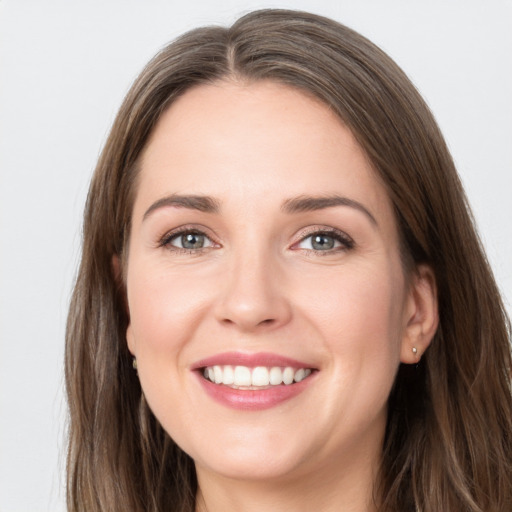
217 374
299 375
275 376
260 376
228 375
242 376
288 375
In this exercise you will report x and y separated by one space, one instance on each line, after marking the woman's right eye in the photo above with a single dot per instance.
187 240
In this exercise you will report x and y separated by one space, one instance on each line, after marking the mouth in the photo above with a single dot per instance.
254 378
253 381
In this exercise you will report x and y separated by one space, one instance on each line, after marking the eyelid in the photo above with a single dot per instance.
165 239
346 241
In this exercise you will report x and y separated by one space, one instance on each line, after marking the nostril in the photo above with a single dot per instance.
251 309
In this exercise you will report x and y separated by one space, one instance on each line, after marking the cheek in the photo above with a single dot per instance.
360 316
362 325
364 303
164 309
165 312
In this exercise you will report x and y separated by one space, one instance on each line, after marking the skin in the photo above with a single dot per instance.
257 285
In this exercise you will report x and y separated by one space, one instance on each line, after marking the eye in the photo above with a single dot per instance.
189 240
325 241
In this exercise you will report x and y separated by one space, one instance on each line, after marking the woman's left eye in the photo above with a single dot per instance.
324 241
188 240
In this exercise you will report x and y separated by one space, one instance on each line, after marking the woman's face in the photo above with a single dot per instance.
264 249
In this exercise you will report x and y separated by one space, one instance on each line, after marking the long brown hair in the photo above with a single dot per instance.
448 443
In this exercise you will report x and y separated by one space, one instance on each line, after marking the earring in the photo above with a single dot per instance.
414 350
134 363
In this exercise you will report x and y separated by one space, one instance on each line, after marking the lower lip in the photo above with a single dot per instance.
253 399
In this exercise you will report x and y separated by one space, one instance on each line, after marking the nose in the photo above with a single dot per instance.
253 295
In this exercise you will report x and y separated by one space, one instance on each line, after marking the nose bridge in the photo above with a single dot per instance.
252 295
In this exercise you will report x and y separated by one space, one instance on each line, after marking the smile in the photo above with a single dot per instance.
252 382
245 377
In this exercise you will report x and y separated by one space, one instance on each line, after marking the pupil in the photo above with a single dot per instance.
322 242
192 241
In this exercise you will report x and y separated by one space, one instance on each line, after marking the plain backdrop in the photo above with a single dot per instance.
64 69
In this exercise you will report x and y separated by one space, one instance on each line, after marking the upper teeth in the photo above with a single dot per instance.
243 376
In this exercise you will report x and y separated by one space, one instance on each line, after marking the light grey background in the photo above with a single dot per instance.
64 68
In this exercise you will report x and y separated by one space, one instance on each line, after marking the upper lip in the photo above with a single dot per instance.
250 360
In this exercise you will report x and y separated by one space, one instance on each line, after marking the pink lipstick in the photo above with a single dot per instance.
253 381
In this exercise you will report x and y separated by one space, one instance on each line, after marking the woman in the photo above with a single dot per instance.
282 302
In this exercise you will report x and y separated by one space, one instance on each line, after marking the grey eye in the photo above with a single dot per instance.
320 242
191 241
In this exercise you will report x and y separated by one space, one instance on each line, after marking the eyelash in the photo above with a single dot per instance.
346 242
185 230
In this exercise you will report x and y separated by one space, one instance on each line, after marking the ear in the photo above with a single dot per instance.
129 339
422 317
118 276
116 269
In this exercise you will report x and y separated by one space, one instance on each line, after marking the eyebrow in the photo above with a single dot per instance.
313 203
298 204
202 203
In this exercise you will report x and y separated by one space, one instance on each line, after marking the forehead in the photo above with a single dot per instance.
258 142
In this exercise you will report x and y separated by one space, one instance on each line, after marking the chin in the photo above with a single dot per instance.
249 458
257 468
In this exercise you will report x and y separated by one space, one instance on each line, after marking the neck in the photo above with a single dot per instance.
327 489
